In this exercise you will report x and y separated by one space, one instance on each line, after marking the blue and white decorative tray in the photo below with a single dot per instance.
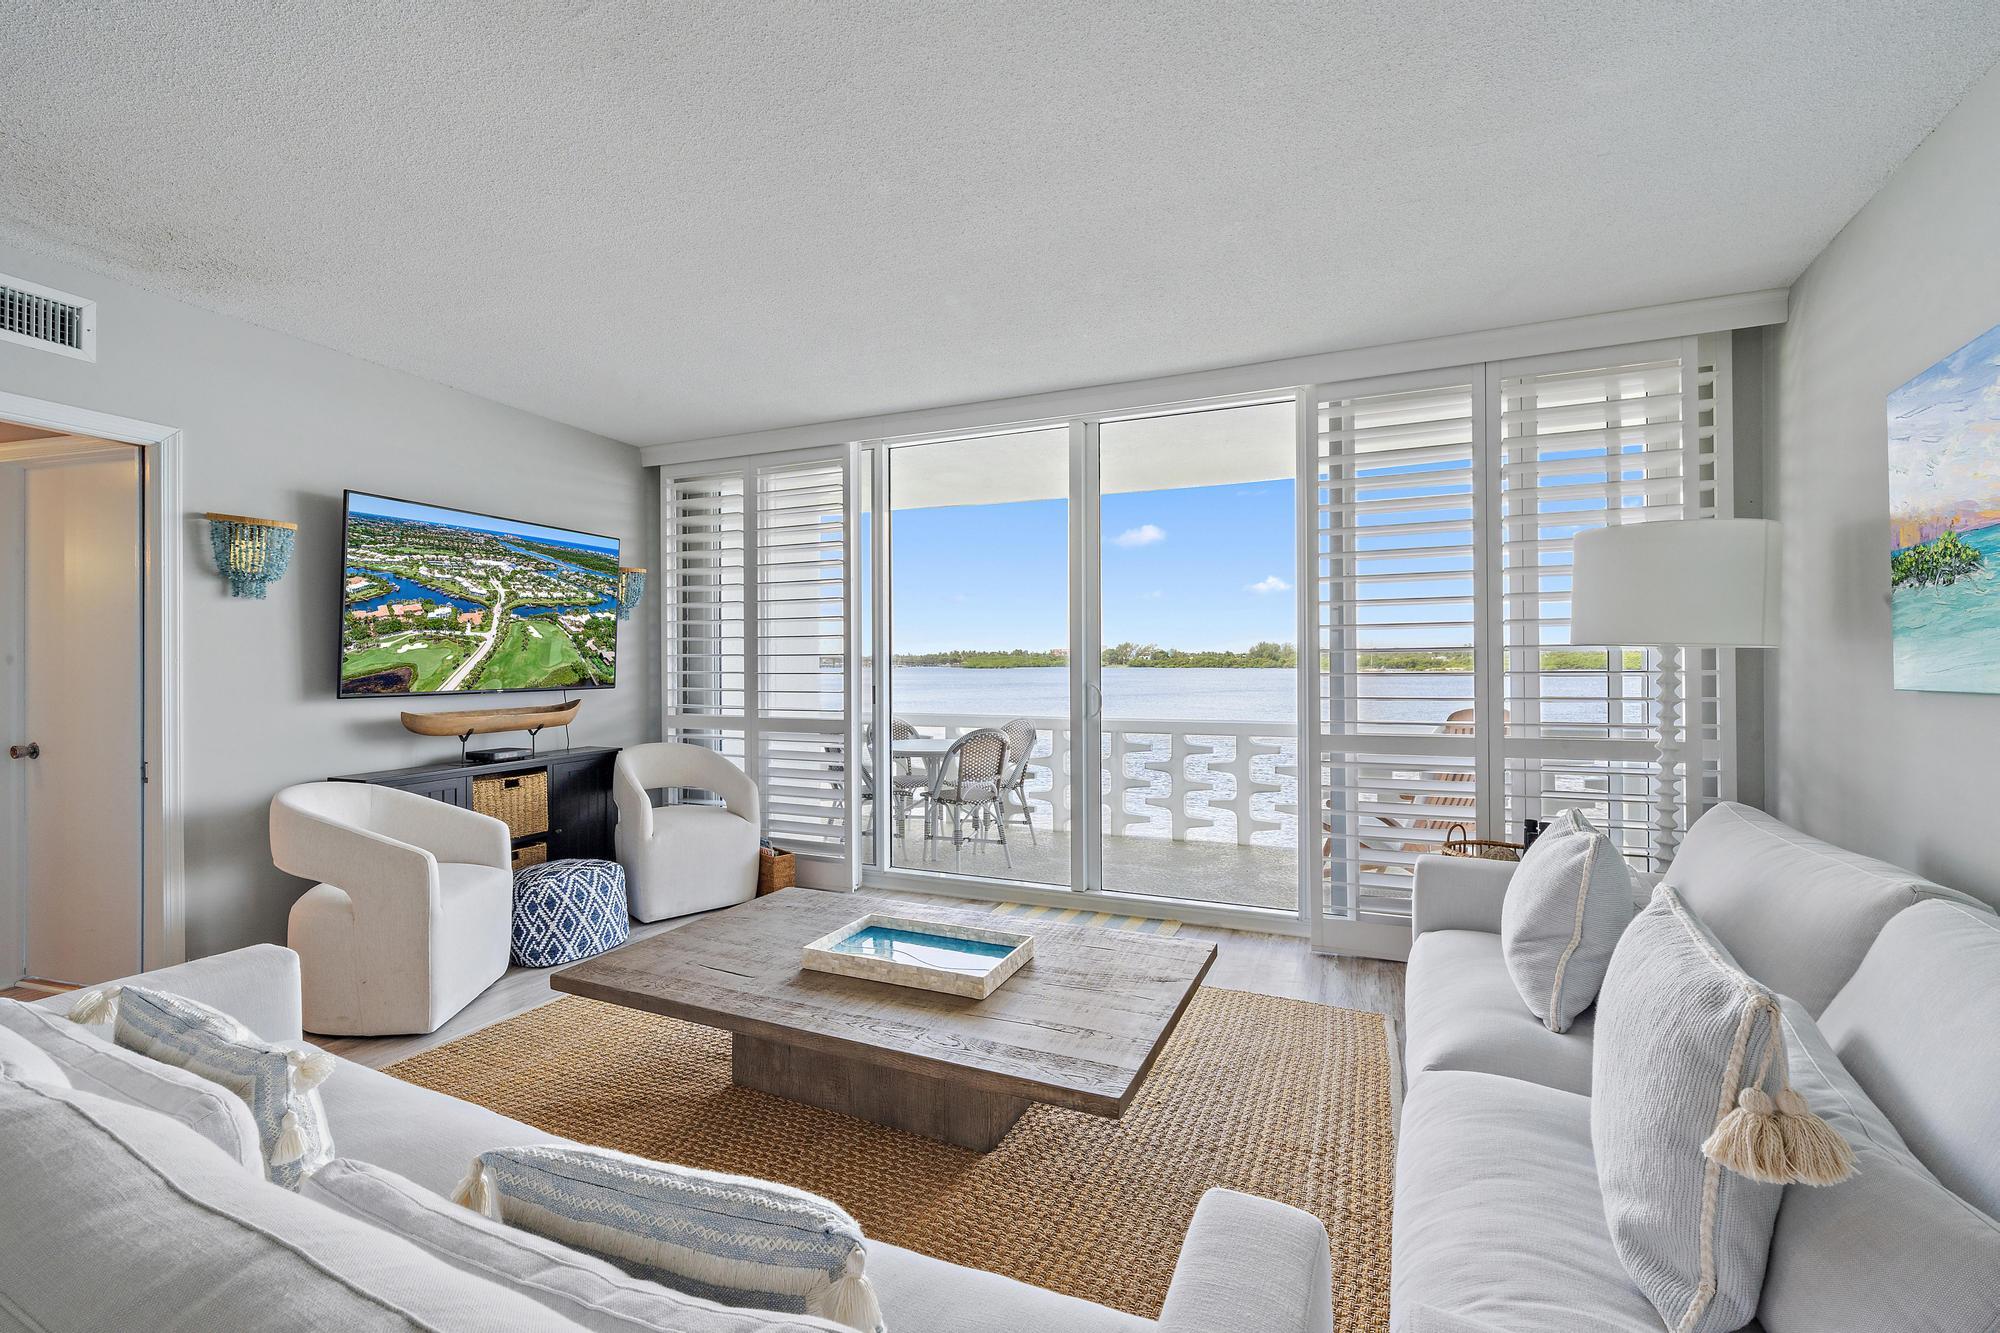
930 955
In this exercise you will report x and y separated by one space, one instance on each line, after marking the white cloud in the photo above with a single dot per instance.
1143 535
1269 584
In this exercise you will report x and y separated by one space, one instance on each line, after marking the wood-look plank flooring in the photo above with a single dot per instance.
1268 964
29 994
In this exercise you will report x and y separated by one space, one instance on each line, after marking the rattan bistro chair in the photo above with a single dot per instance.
1021 741
967 783
907 787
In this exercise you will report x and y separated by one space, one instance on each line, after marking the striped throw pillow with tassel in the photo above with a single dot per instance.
1694 1121
276 1082
729 1239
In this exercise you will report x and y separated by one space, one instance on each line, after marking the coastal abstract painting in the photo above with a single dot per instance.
1944 523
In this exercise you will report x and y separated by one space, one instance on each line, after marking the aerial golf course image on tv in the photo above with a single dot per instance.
441 601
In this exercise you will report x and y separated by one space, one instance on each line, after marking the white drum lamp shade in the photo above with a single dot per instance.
1698 583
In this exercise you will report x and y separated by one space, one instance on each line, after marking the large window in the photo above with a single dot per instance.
1258 654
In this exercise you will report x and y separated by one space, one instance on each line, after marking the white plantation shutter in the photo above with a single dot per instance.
704 588
803 646
759 634
1395 526
1438 514
704 625
1614 437
1709 720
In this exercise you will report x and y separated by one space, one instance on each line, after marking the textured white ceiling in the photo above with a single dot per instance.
670 221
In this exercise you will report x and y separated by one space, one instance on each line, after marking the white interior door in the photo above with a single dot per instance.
81 683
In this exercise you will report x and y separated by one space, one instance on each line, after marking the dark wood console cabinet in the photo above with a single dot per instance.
581 815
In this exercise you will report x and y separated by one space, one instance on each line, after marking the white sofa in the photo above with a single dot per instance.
99 1229
1499 1226
413 915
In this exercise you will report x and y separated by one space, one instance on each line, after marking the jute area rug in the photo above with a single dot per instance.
1282 1098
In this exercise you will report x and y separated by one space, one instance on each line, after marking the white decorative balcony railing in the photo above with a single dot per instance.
1186 781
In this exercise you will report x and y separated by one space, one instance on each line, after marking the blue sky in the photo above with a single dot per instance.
1206 567
1212 567
1943 429
382 507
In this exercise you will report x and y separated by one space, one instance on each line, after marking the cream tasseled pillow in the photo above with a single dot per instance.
583 1288
730 1239
93 1064
276 1082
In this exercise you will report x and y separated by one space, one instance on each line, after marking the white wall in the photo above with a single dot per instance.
278 427
1902 775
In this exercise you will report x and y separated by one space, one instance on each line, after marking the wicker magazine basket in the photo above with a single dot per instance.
776 870
518 800
1458 843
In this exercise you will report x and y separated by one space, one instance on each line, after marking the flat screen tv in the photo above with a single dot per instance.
442 601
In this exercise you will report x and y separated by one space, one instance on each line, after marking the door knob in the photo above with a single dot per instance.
32 750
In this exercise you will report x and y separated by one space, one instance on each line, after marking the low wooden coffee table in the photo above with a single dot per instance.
1079 1026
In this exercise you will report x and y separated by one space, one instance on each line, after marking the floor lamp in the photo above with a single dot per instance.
1697 583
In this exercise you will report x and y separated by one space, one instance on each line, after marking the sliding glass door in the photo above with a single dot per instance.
1197 649
975 759
1115 598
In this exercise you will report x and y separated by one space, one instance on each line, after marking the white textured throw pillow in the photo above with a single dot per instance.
275 1082
580 1287
1565 908
1693 1122
729 1239
91 1064
1833 1243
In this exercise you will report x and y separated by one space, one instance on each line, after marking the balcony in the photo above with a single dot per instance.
1203 811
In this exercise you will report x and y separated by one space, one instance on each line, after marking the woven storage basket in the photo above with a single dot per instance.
518 800
776 870
533 854
1456 843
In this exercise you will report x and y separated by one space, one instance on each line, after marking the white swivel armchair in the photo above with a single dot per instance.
414 912
684 858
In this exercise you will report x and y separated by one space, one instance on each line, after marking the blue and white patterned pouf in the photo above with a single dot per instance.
566 910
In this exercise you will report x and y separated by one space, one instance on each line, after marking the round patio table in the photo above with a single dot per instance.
926 750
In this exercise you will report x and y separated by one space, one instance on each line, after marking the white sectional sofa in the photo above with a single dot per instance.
1499 1225
129 1211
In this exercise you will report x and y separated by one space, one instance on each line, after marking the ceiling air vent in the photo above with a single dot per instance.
51 320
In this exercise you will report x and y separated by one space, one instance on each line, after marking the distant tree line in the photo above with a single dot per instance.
1124 654
1460 659
1265 654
